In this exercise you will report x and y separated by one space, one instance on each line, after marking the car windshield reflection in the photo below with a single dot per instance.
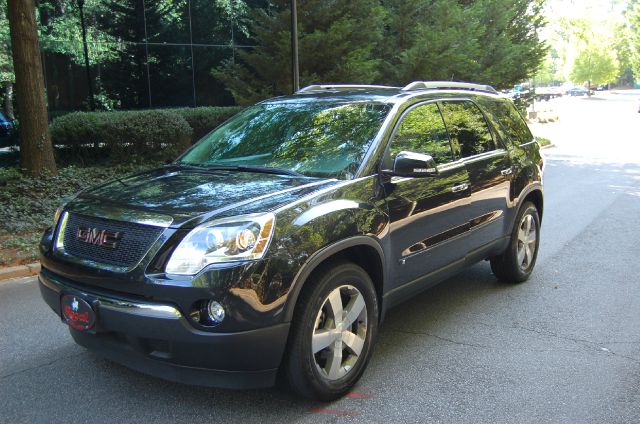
320 140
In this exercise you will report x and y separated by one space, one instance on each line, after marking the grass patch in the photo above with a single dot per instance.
543 141
28 204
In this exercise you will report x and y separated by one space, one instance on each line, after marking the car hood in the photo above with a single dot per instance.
185 196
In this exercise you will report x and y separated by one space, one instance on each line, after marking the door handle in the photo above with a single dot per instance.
507 171
459 187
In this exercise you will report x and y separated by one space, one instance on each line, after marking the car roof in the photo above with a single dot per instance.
338 93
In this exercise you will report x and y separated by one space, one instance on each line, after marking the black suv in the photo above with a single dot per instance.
273 247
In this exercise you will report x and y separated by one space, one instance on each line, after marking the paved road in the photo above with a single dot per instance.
563 347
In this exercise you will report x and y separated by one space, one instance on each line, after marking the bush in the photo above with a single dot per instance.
116 137
204 119
132 136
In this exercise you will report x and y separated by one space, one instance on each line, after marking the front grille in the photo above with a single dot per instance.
135 241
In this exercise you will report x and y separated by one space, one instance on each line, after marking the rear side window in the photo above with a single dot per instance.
467 128
510 122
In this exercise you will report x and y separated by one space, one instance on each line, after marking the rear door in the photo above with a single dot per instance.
489 170
429 214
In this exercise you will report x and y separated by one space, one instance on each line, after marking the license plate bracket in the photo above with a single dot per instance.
77 312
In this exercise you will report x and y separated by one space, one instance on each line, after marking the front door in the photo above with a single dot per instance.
428 214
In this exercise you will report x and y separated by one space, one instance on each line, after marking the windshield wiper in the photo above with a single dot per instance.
268 170
243 168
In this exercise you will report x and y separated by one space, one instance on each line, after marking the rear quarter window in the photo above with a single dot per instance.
508 121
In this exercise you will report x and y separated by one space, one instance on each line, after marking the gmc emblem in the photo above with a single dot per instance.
102 238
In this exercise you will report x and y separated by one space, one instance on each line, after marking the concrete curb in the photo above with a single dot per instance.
19 271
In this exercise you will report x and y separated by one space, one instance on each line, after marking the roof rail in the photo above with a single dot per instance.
433 85
319 87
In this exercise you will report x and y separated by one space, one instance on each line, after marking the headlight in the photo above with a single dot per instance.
238 238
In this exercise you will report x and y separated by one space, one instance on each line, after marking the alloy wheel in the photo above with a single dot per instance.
527 238
340 332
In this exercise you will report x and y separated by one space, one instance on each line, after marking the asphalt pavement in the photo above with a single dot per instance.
563 347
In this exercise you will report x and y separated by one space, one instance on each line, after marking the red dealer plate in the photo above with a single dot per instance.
77 312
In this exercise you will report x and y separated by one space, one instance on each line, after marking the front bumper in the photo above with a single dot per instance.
157 339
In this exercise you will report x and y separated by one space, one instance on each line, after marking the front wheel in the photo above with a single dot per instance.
516 263
333 333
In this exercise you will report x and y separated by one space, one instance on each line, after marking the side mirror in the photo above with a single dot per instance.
411 164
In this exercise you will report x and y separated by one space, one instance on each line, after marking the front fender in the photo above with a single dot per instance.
310 232
320 257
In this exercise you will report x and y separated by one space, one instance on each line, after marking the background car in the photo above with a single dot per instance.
8 132
577 91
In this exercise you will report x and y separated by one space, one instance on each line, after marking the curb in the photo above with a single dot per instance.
19 271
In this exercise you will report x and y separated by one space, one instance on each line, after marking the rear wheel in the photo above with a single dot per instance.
333 333
516 263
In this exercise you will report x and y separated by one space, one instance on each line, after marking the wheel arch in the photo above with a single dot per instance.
535 196
364 251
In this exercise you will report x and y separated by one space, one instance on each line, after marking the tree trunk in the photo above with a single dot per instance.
8 101
36 151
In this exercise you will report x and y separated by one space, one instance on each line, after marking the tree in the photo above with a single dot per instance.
491 41
510 47
36 151
622 48
549 72
429 40
6 64
634 24
334 47
595 65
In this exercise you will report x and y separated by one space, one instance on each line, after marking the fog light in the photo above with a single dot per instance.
216 311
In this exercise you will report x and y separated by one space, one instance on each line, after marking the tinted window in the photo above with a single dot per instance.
510 122
315 139
422 131
467 128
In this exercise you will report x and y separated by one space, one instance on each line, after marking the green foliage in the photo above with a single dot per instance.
634 26
113 137
543 141
489 41
493 41
430 40
29 203
624 55
549 73
60 31
596 64
360 41
204 119
87 137
22 248
6 61
332 43
202 22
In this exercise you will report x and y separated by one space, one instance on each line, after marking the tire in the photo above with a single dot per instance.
330 372
516 263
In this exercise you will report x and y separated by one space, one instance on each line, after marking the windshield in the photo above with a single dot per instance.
317 139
